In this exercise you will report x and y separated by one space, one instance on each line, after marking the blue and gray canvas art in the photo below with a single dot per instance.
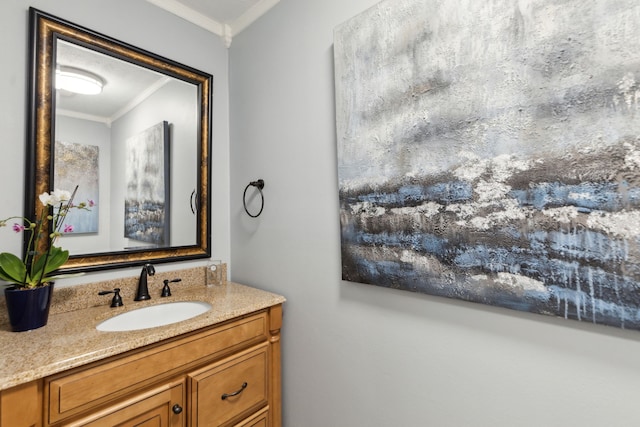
490 152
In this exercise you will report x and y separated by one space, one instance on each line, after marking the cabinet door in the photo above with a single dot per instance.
21 406
160 407
231 389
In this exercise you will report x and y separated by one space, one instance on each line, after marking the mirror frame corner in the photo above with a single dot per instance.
44 30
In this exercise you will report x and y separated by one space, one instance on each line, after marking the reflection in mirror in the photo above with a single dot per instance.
137 146
106 133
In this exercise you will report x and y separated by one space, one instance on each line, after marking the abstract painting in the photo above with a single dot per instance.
78 165
489 151
147 177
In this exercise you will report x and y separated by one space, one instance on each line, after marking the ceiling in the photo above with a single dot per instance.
127 85
225 18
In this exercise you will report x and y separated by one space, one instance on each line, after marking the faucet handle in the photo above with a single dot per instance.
117 299
166 291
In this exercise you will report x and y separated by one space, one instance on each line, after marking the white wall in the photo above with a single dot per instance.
359 355
141 24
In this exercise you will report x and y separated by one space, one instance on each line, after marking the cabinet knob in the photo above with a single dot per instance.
176 409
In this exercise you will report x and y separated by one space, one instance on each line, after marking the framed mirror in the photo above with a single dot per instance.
135 138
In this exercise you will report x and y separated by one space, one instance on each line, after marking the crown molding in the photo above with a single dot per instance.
251 15
190 15
224 30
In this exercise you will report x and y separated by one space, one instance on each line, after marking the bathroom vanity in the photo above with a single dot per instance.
221 368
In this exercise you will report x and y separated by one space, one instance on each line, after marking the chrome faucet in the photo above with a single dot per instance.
143 291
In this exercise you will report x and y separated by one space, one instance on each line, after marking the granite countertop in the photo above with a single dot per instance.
70 339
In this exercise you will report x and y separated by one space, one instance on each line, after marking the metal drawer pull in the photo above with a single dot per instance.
235 393
176 409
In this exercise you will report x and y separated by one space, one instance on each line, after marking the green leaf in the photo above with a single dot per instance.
57 258
12 268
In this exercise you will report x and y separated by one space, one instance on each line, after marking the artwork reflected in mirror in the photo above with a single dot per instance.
143 205
147 174
77 165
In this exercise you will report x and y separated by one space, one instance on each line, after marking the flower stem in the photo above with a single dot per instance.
57 223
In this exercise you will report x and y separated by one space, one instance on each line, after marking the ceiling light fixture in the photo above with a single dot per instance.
78 81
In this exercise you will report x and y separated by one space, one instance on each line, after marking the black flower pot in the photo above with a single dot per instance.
28 308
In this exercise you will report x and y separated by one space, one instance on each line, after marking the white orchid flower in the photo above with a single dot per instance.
55 198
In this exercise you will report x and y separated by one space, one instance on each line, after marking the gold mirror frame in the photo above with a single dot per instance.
45 30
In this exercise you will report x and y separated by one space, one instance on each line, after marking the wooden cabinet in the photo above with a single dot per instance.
21 406
259 419
159 407
224 375
230 389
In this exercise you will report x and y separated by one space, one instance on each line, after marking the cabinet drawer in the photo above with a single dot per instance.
83 389
259 419
231 389
152 408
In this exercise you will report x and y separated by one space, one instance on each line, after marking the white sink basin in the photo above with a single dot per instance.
154 315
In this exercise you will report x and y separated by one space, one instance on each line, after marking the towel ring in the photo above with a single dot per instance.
259 184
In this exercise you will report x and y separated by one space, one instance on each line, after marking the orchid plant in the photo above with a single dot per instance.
37 268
